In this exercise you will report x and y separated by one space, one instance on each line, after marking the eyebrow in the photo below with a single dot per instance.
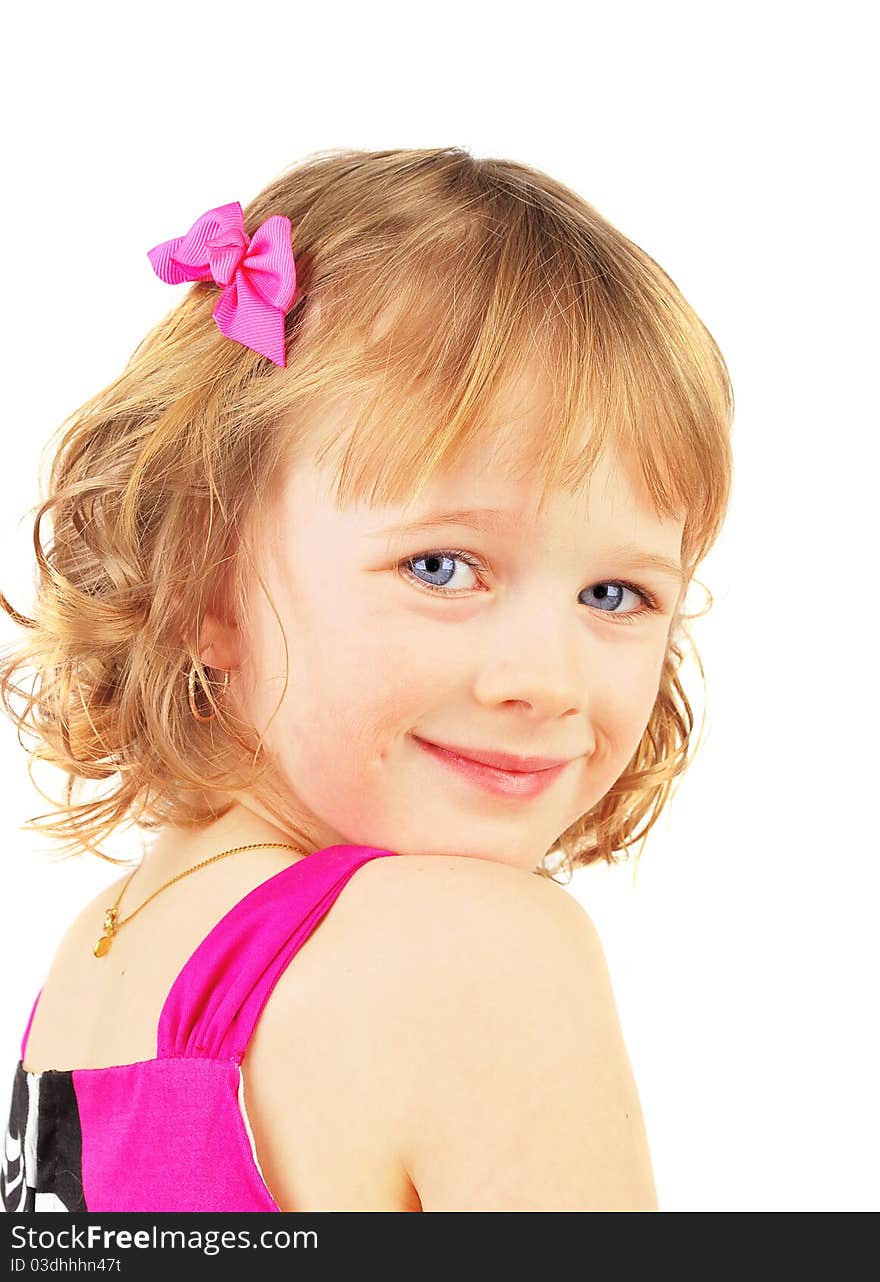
485 518
481 518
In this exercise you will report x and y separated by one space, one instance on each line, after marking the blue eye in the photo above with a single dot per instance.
440 569
613 592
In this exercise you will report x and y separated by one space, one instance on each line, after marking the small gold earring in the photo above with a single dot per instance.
199 716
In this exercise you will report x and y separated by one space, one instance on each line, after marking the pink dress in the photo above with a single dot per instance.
171 1133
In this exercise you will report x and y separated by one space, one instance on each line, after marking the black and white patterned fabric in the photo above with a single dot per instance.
42 1151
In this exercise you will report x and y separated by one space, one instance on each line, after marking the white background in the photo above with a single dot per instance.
736 144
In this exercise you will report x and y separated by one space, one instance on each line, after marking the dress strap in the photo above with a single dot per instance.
27 1030
213 1006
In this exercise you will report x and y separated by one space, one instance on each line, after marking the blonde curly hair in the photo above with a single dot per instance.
158 483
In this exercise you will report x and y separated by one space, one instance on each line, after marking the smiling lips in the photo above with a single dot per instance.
499 772
503 760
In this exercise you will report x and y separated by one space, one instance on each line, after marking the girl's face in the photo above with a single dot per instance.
492 632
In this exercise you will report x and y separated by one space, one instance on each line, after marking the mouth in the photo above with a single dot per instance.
531 777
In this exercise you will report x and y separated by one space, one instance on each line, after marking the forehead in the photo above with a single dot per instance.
491 488
494 469
494 476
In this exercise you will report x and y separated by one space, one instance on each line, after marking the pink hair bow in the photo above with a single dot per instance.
257 273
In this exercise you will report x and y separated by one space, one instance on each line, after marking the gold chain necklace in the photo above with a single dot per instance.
112 921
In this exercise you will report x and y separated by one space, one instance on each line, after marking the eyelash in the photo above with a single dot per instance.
650 601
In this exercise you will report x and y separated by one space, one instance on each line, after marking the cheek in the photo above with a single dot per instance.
622 704
379 669
353 689
338 734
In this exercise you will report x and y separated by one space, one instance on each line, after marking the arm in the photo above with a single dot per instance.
517 1091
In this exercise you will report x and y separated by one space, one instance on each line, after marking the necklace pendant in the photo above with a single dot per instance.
102 947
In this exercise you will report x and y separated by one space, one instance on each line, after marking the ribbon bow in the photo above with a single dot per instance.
257 273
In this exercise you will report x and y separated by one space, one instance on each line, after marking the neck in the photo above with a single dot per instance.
177 849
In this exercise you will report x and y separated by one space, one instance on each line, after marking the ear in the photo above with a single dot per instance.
219 645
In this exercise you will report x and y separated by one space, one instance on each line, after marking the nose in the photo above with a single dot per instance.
533 658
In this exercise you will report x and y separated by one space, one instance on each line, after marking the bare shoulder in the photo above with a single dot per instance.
449 875
451 911
511 1085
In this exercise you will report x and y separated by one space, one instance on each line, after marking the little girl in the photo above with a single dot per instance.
366 593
